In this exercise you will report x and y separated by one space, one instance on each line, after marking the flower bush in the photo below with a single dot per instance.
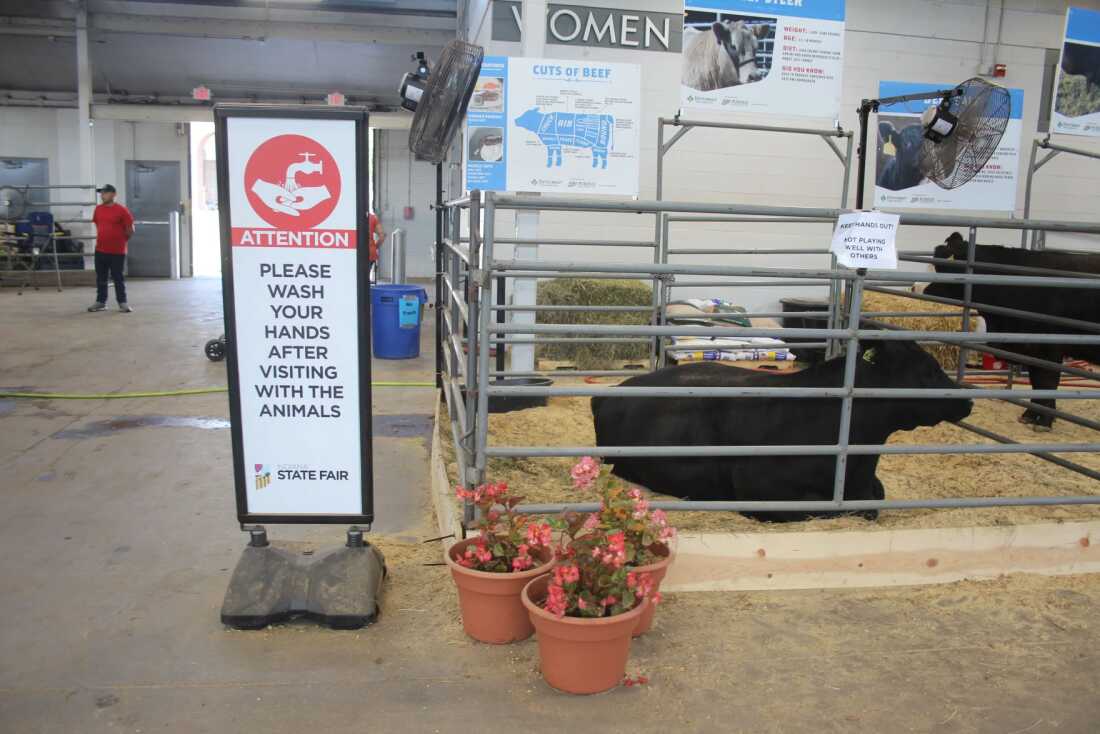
595 576
623 508
506 540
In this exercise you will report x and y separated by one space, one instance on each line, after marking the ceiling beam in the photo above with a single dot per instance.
198 113
260 30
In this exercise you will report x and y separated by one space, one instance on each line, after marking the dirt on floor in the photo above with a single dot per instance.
568 422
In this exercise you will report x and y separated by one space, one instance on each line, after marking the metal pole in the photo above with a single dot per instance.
861 152
481 426
850 358
439 215
397 256
1027 189
501 314
960 368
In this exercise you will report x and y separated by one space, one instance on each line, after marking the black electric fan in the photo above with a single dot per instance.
961 132
438 98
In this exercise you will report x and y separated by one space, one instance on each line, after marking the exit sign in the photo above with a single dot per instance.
201 93
336 99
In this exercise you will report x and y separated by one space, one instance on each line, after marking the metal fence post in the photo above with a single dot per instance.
844 438
484 289
971 248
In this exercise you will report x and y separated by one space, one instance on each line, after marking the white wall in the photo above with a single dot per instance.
52 134
403 182
904 40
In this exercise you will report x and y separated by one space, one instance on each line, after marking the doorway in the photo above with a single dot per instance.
152 194
206 259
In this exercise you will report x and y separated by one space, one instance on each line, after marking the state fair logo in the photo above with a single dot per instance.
263 479
292 182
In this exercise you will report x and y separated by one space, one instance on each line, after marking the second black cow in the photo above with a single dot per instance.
756 421
1081 304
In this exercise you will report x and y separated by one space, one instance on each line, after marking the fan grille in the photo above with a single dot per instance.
443 106
983 110
13 203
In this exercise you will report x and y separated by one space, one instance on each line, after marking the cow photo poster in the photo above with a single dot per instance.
772 58
554 126
294 303
1077 94
899 184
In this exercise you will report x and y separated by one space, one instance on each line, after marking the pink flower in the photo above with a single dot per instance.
581 603
592 522
540 535
634 493
667 533
657 598
522 563
641 508
660 518
493 515
585 472
608 601
556 602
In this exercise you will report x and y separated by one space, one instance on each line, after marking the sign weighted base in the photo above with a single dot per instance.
339 587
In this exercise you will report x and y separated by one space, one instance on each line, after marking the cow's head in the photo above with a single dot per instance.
530 120
955 248
903 364
738 41
906 142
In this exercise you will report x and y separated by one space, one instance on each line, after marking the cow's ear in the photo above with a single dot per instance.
869 355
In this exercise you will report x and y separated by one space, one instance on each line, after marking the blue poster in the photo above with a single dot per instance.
1077 94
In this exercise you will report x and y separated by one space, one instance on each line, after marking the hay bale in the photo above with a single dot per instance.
946 355
591 292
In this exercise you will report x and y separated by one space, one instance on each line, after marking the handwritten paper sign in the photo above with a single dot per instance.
866 240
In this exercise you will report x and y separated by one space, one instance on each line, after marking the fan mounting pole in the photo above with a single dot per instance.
872 105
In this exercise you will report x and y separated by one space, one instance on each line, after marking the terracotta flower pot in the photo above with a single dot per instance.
656 571
579 655
490 602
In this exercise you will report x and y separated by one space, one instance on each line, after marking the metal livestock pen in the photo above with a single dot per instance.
469 331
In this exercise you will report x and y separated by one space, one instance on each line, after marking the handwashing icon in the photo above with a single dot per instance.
289 198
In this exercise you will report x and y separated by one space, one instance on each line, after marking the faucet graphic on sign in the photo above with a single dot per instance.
290 198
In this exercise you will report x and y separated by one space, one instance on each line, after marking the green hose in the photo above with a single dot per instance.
165 393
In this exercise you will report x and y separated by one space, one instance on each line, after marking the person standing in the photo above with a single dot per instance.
377 237
114 225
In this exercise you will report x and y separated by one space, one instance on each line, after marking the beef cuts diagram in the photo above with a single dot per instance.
560 127
569 129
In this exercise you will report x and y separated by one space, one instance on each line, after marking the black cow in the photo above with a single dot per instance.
902 171
1084 60
1082 304
752 421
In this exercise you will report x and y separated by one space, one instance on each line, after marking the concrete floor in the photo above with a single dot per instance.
118 535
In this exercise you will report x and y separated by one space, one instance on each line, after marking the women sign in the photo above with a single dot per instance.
292 185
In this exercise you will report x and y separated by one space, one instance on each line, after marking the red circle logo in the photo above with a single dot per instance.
292 182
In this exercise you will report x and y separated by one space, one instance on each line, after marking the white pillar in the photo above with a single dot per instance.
84 101
524 290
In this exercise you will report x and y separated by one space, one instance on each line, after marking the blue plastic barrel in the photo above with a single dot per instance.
396 313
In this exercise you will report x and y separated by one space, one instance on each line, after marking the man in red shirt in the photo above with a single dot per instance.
114 224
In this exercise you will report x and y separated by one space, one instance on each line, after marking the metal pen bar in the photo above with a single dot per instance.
794 273
968 292
790 393
1064 463
579 243
822 506
484 296
733 218
770 251
558 203
1026 269
579 309
665 452
1001 310
864 334
678 122
571 373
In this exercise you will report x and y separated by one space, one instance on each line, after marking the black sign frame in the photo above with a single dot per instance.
222 113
